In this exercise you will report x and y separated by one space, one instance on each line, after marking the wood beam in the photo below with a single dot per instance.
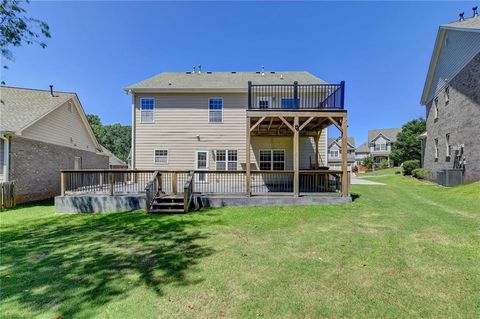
288 124
306 123
345 186
270 125
248 187
319 123
335 123
296 165
258 123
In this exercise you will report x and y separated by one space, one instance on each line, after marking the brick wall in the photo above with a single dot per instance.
461 119
35 167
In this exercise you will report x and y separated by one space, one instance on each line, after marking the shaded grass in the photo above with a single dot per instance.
407 249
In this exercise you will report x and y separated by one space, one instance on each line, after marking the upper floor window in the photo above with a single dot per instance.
272 160
226 160
334 153
436 148
447 145
161 157
264 102
215 110
447 95
147 105
380 147
435 108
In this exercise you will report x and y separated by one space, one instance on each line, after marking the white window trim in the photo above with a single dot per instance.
435 144
223 107
226 158
202 169
264 98
153 111
271 154
447 144
334 156
155 157
435 108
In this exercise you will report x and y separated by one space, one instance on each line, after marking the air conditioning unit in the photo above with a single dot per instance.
450 177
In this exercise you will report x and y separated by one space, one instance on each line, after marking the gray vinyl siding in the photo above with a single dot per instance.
458 49
62 126
180 118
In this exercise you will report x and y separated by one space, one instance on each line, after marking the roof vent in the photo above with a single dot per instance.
263 70
194 69
475 12
188 72
272 72
209 72
258 72
461 16
199 69
51 90
234 72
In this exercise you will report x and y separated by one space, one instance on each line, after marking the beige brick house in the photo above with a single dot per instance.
42 132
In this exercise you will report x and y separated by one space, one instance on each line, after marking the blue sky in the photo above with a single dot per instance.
381 49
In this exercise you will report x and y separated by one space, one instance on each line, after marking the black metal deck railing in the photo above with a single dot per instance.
296 96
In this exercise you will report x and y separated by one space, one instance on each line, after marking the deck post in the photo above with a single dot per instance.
110 183
344 157
248 181
63 183
296 166
174 183
317 140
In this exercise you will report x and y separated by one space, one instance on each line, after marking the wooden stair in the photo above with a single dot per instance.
167 204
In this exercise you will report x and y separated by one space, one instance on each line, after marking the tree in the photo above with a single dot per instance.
368 161
116 137
17 29
407 147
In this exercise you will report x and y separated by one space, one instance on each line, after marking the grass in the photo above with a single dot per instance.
407 249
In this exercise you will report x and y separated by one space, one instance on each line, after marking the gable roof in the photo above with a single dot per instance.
112 159
227 81
363 148
333 140
390 133
22 107
448 59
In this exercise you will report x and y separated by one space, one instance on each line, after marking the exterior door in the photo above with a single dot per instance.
202 165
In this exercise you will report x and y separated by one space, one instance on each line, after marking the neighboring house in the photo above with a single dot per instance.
334 158
113 161
361 152
42 132
452 98
216 121
380 143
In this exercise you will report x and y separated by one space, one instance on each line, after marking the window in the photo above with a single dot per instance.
447 95
435 108
226 160
215 110
447 144
436 148
380 147
202 164
272 160
290 103
146 110
161 157
264 102
334 153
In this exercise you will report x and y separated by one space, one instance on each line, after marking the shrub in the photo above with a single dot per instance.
409 166
368 162
420 173
384 164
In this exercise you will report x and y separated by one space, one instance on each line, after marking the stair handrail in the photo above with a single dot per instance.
188 192
152 188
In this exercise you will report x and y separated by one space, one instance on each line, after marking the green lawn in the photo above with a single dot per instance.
407 249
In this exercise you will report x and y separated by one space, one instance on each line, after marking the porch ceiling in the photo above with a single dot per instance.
275 126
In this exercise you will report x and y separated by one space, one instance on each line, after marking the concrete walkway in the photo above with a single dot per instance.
362 181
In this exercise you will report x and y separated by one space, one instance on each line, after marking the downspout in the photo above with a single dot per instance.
132 148
6 157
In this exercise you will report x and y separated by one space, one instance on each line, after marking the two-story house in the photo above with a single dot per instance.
452 98
334 157
380 143
361 152
270 128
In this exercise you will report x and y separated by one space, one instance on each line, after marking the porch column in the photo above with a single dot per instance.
317 140
248 186
296 165
344 157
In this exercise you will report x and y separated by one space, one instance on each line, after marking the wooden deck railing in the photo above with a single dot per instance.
114 182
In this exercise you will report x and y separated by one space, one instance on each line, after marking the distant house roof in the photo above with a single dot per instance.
363 148
112 159
350 141
228 81
456 45
390 133
22 107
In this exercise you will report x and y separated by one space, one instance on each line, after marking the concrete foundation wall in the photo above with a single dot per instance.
35 167
99 203
460 118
